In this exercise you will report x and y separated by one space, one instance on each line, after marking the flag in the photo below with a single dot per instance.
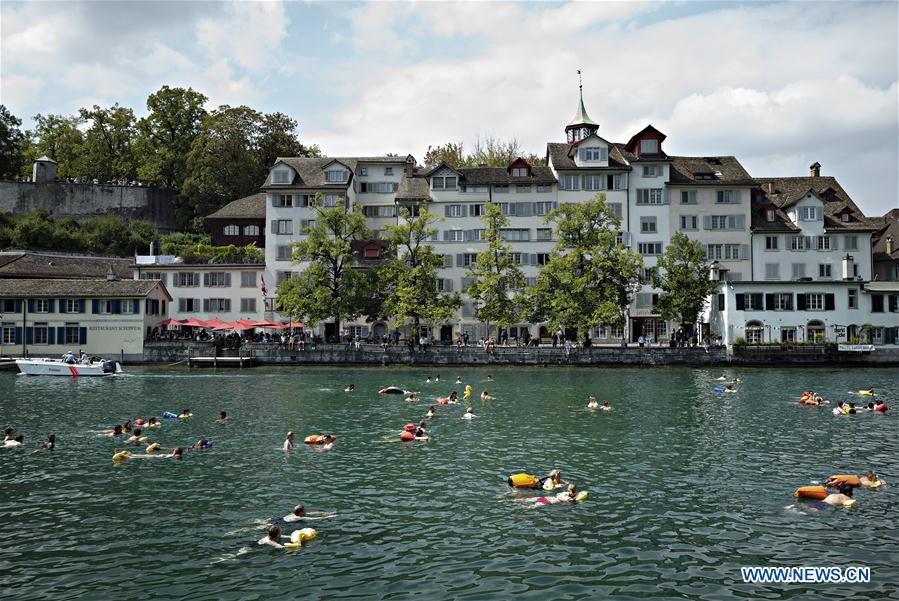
262 284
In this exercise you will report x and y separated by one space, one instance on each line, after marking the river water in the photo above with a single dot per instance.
686 486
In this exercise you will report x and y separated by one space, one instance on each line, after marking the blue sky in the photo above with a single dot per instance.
779 85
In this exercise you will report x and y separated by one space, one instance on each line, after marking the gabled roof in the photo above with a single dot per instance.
759 216
310 171
540 175
557 153
37 264
889 227
413 188
723 170
249 207
52 288
442 165
790 190
653 133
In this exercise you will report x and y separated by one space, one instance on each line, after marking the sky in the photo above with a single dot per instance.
778 85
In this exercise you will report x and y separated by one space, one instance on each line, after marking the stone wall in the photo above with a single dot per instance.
811 355
88 200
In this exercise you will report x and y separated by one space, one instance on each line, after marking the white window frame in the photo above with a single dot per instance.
814 301
40 327
72 305
519 171
231 230
852 298
850 242
251 230
797 243
41 305
724 197
247 279
283 227
823 243
544 234
7 333
281 175
825 271
388 170
649 146
648 225
771 242
334 176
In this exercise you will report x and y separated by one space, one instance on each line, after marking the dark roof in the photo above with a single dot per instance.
721 170
648 132
501 176
310 171
413 188
559 154
250 207
36 264
759 216
789 190
890 227
78 288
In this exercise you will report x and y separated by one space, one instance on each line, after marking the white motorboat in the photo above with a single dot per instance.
58 367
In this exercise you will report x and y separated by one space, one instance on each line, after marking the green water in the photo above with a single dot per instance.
685 486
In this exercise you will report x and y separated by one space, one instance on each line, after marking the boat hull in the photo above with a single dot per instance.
51 367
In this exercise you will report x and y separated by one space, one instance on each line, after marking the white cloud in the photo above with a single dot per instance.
250 35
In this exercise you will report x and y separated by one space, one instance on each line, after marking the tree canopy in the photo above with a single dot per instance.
683 276
109 235
11 141
489 151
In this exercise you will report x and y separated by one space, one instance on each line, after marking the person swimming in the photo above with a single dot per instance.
300 514
606 406
327 445
223 417
8 433
566 496
350 388
469 414
838 410
201 444
722 378
870 480
844 497
880 407
458 379
151 423
489 378
271 539
591 403
437 378
126 427
177 453
552 481
485 396
288 443
430 412
185 414
410 398
428 381
421 433
453 397
18 441
134 438
47 446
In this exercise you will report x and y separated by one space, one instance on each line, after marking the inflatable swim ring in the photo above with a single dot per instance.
844 480
523 481
169 415
392 390
409 427
315 439
810 492
718 390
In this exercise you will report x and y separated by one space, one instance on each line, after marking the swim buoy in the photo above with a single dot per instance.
407 436
881 408
442 400
810 492
581 496
316 439
523 481
121 455
185 416
718 389
298 537
169 415
143 439
139 422
391 390
844 480
153 447
409 427
865 393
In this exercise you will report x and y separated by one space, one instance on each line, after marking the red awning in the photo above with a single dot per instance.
194 323
170 322
215 322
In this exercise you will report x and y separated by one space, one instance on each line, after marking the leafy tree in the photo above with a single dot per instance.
412 272
488 151
683 276
176 242
60 138
450 153
498 281
167 134
11 144
591 277
219 255
278 138
108 142
331 284
109 235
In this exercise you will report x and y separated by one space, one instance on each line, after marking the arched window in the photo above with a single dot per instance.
232 230
251 230
754 332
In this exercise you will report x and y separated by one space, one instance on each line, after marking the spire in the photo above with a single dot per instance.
581 118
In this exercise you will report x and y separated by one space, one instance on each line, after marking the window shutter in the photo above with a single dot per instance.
81 305
60 335
274 226
448 285
95 306
206 279
205 305
17 305
829 302
721 302
741 302
50 304
31 305
736 196
18 336
744 252
82 335
769 302
739 222
446 235
757 300
29 335
227 305
533 259
706 222
446 210
512 207
800 302
468 235
364 333
116 307
834 245
665 197
51 336
808 242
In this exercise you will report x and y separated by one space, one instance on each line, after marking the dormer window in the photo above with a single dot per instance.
363 170
519 171
845 216
335 176
808 213
281 175
388 170
594 153
447 182
769 215
649 146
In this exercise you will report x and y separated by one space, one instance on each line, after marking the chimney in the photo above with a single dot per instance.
409 168
890 242
770 187
848 267
815 169
110 275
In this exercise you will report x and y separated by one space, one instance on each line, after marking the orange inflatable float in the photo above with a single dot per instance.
810 492
316 439
844 480
407 436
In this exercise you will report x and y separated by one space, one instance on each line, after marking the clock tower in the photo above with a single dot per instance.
581 126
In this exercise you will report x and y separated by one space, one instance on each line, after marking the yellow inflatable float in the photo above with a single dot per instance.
523 481
121 455
298 537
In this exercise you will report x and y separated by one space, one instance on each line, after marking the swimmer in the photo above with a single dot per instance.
870 480
288 444
18 441
47 446
843 497
430 412
271 539
458 379
421 433
735 381
563 497
200 444
185 414
327 445
591 403
453 398
301 515
486 397
8 433
350 388
869 407
851 410
175 454
115 431
469 414
428 381
606 406
134 438
489 378
437 379
223 417
410 398
838 410
552 481
151 423
722 378
880 407
126 427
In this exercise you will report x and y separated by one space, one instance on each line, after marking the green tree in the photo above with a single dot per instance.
498 282
60 138
331 284
683 276
591 277
176 242
167 134
278 138
11 145
451 153
488 151
109 142
412 272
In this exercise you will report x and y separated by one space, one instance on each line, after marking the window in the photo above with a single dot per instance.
443 182
544 188
649 196
41 305
478 235
72 334
453 235
594 182
232 230
649 146
824 270
798 270
332 200
475 210
542 208
783 301
569 182
306 225
40 335
814 301
772 271
105 306
186 279
247 279
594 153
335 176
282 226
523 189
647 225
217 279
216 305
282 200
363 170
688 197
616 208
378 187
769 215
649 248
823 242
770 242
379 211
808 213
8 332
389 171
516 235
519 171
542 258
850 242
281 175
455 211
853 298
652 170
283 276
251 230
519 258
715 252
844 217
8 305
468 259
688 222
72 305
469 189
751 302
725 222
127 306
501 189
797 242
725 197
248 305
544 233
725 252
732 253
